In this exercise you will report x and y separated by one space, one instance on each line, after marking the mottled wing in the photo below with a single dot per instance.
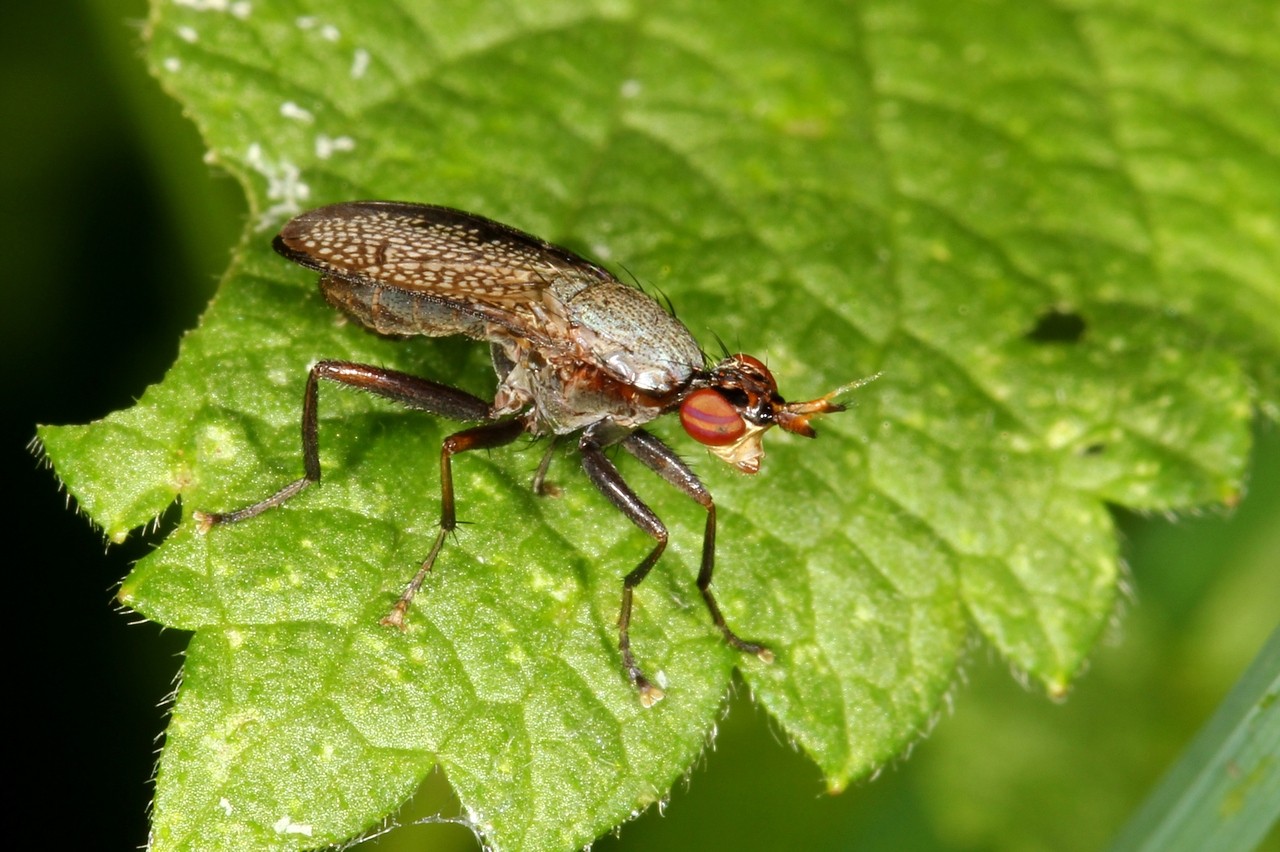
455 261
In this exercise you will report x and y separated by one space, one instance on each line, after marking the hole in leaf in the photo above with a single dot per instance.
1055 326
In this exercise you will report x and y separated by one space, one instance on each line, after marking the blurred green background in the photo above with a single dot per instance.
115 232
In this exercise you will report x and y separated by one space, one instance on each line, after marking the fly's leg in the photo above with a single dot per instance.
484 437
540 485
410 391
606 478
663 461
413 392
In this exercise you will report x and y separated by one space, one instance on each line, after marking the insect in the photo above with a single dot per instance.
576 352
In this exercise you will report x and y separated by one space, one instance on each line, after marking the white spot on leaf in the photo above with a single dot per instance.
310 22
203 5
286 825
289 109
284 186
359 63
239 9
326 146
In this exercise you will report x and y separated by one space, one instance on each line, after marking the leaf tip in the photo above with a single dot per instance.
127 596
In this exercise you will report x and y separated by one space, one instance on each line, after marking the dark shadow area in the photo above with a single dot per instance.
1055 326
99 285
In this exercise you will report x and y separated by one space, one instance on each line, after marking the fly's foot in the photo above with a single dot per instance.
650 693
396 617
755 649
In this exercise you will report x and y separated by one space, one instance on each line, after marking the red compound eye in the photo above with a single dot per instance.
711 419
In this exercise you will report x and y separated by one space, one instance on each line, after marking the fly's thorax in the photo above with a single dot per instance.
567 396
629 334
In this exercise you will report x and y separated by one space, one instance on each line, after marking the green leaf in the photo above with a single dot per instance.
1051 228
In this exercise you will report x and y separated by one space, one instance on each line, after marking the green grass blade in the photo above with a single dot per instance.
1224 792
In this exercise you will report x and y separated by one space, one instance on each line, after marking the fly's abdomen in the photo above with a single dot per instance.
387 309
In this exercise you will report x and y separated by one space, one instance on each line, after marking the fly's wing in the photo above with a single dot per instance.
420 269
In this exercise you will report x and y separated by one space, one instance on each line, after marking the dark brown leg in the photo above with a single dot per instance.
663 461
411 391
606 478
477 438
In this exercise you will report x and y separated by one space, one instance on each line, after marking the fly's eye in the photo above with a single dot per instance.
711 419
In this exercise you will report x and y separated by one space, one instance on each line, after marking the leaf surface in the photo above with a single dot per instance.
1052 229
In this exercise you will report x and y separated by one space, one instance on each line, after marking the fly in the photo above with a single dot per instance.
576 352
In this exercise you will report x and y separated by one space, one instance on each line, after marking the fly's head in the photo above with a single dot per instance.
737 401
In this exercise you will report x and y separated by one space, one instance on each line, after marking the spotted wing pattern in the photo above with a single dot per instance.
460 261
